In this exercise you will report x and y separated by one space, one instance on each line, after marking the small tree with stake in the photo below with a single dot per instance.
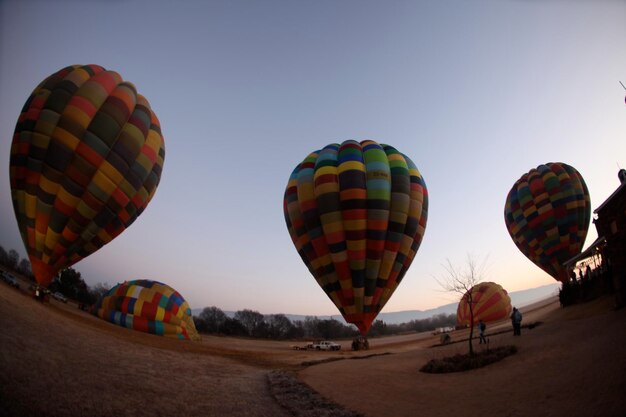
461 281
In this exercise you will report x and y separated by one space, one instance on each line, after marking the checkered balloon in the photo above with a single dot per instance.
86 159
547 214
356 213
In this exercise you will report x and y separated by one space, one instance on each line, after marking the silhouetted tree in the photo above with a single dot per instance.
233 327
461 281
310 327
100 290
251 320
4 256
279 327
24 268
379 328
70 283
332 329
12 259
212 319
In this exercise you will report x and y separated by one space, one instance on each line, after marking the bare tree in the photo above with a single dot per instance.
24 268
100 290
213 318
279 326
4 256
252 321
461 281
13 259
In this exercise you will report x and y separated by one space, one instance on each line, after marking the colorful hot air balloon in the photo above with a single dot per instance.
547 213
356 213
86 159
148 306
490 302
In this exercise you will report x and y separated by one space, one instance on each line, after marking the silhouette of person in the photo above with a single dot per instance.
516 320
481 328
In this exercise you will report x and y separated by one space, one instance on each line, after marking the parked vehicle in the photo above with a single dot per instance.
440 330
308 346
10 279
326 345
57 295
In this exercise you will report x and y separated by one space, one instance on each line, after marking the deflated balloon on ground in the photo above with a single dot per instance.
489 301
356 213
547 214
148 306
86 159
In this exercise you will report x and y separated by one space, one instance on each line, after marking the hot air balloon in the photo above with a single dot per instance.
86 159
148 306
547 214
356 213
490 302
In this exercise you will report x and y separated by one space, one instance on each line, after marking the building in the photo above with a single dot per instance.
610 221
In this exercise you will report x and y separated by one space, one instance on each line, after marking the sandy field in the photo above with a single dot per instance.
56 360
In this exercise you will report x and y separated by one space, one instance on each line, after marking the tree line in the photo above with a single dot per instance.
11 260
69 282
247 323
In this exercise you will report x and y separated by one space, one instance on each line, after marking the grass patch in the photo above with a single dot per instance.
302 401
466 362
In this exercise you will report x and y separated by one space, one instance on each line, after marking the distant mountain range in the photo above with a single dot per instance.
518 299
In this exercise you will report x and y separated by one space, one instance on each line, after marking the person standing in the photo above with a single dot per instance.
481 328
516 320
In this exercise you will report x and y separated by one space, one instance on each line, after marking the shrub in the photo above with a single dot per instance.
460 363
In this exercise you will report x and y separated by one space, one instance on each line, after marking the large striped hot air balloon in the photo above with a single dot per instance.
148 306
489 301
547 214
86 159
356 213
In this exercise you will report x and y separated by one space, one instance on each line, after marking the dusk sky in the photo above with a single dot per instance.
476 93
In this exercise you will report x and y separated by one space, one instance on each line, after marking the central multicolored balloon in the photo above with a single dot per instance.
356 213
86 159
547 213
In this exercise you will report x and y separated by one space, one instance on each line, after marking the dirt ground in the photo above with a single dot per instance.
56 360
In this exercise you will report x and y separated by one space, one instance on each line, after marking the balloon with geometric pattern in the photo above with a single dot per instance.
86 159
148 306
490 302
547 214
356 213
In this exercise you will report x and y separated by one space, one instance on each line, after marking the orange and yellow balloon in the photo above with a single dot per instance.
356 213
489 301
86 159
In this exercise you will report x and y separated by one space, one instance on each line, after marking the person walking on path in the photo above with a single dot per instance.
516 320
481 328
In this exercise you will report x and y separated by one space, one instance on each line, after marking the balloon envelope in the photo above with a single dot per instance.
489 301
148 306
356 213
547 214
86 159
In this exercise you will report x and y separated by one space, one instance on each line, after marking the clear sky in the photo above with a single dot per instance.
476 93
